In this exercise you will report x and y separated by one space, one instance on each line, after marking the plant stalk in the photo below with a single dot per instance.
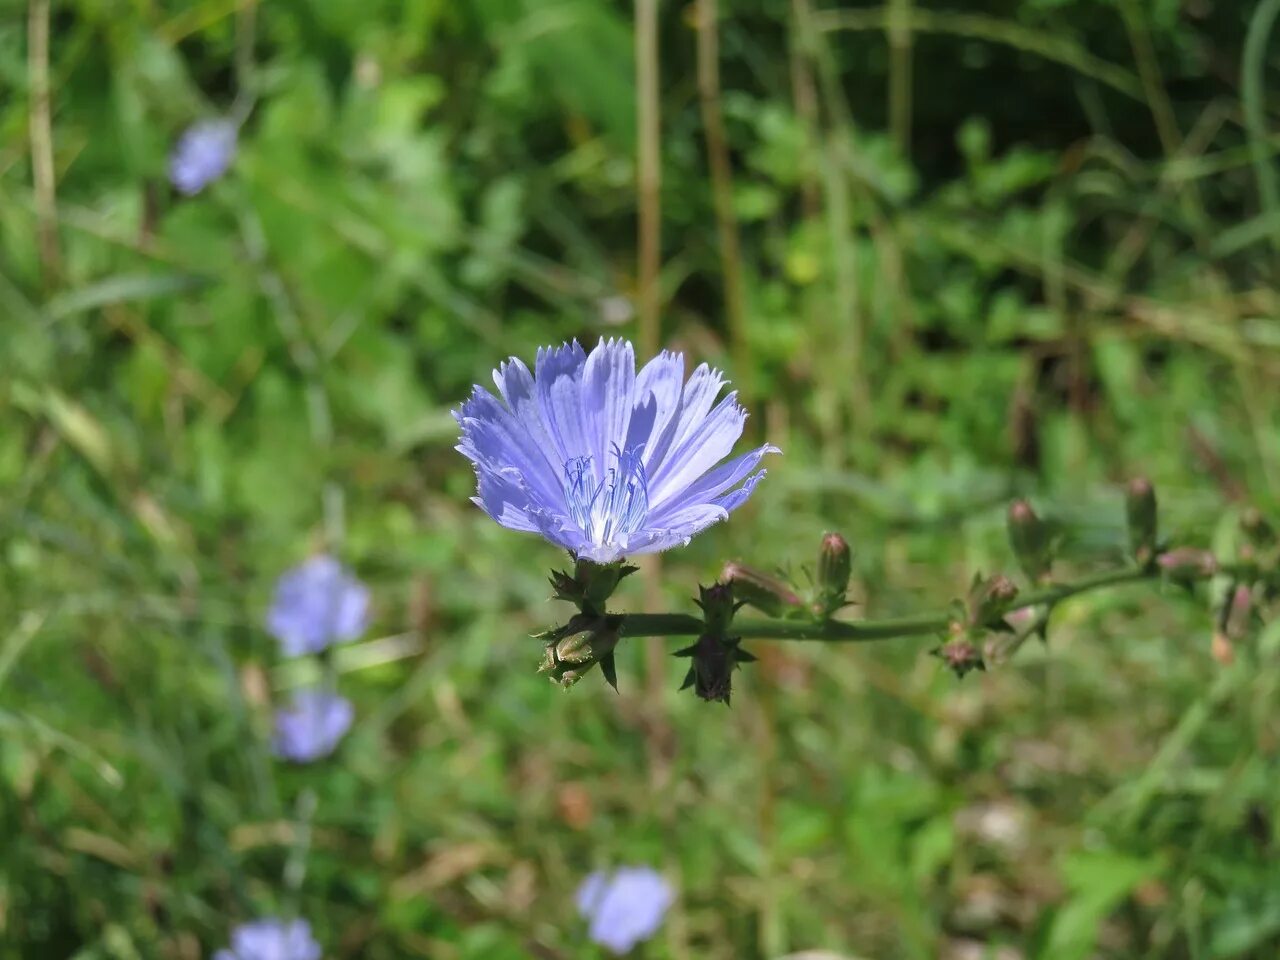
835 631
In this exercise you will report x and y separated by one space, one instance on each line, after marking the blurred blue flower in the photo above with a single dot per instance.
203 154
624 907
317 604
312 725
601 460
271 939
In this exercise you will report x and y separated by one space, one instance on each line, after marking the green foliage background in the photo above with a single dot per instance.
1023 246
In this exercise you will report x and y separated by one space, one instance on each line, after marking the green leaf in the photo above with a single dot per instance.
124 288
1099 882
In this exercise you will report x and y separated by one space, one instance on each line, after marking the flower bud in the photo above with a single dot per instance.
1186 564
575 648
961 655
989 600
1140 508
714 658
715 655
835 562
1239 613
767 594
1022 619
1029 537
718 606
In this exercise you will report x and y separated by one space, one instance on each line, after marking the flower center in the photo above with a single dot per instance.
611 510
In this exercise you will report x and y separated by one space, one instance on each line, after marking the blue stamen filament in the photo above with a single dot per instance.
610 511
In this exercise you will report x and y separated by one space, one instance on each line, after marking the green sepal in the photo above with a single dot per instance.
609 670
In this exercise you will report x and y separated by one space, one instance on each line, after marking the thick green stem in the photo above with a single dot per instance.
832 631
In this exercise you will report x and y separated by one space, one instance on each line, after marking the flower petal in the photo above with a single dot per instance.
312 725
504 498
678 529
560 530
608 385
315 604
701 449
695 400
734 499
515 383
624 907
712 484
558 377
494 438
589 891
351 612
657 401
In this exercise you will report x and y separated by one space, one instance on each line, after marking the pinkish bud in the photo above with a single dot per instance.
767 594
1021 619
960 656
989 600
835 563
1239 613
1187 564
1029 537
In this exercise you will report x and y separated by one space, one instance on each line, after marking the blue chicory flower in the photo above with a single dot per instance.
605 461
623 907
271 939
317 604
203 154
312 725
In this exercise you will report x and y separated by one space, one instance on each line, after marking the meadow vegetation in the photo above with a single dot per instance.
950 255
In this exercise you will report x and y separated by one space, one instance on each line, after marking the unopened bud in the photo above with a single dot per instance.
989 600
1021 619
1187 563
960 656
767 594
1140 508
575 648
1239 613
835 563
714 658
1029 537
718 606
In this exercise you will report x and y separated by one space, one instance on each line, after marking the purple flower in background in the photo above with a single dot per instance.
605 461
271 939
624 907
203 153
317 604
312 725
